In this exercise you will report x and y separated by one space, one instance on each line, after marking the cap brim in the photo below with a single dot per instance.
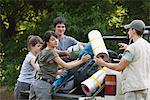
127 26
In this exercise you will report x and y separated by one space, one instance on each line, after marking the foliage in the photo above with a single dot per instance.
20 18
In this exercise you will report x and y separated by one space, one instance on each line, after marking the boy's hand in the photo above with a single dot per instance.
122 46
99 60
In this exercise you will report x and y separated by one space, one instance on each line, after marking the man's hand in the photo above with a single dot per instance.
122 46
99 61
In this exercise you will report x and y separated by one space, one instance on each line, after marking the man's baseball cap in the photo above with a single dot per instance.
136 24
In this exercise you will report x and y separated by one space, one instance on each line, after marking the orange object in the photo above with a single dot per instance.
110 85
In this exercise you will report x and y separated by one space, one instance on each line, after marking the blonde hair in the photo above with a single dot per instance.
32 40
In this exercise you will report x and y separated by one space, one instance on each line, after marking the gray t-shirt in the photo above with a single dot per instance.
27 73
65 42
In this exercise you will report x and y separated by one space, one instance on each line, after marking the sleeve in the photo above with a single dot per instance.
73 40
131 49
52 56
128 55
129 52
29 57
46 55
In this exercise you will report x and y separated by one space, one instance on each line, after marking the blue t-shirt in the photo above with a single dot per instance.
27 73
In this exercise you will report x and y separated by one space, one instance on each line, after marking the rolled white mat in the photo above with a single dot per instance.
90 85
98 45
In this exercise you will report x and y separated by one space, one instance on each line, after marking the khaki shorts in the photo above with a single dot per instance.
138 95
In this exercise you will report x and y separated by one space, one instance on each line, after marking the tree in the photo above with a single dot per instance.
20 18
137 9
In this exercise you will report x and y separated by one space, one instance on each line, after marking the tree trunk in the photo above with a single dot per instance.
11 31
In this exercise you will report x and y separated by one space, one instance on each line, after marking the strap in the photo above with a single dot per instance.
97 81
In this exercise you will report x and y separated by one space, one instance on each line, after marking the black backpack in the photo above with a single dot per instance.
85 72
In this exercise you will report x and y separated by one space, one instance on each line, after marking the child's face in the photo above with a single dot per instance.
52 42
37 47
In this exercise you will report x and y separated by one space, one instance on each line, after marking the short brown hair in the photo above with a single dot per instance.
139 33
59 20
32 40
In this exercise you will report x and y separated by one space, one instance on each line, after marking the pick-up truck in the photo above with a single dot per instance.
114 86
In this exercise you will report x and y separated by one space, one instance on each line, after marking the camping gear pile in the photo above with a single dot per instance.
88 79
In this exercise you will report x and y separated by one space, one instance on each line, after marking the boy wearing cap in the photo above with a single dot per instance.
135 64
